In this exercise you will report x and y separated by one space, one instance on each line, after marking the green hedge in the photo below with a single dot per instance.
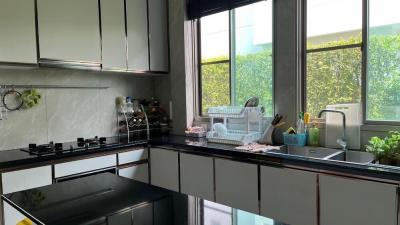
333 77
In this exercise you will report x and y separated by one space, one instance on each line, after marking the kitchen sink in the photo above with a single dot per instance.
354 157
308 151
327 154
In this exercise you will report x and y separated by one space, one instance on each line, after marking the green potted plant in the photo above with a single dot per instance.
386 150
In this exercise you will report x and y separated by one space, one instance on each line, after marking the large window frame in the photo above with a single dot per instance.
198 74
364 60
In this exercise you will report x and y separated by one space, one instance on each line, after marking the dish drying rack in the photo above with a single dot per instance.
248 122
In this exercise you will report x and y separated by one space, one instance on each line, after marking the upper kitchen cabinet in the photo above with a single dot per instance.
17 28
69 30
158 35
113 34
137 34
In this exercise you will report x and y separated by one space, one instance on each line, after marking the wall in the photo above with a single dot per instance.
178 87
65 114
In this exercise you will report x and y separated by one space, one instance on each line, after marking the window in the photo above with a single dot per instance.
334 57
214 213
236 57
383 61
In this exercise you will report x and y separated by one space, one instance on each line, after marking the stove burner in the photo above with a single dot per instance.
82 144
91 141
44 149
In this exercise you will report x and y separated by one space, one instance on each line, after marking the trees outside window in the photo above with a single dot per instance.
236 57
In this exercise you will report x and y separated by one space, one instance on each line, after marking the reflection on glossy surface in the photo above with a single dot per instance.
108 199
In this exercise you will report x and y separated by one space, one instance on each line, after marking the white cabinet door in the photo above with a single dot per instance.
158 31
69 30
132 156
236 184
347 201
164 170
23 180
197 176
26 179
289 196
85 165
17 29
113 34
138 172
138 39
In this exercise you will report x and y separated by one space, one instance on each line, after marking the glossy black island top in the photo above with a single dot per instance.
107 199
88 200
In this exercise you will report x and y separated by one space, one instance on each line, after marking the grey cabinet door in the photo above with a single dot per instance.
197 176
288 195
124 218
158 31
69 30
347 201
114 55
164 170
143 215
17 29
138 172
137 34
163 212
236 184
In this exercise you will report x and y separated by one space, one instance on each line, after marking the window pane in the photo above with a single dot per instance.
214 86
215 37
252 64
383 76
333 22
333 77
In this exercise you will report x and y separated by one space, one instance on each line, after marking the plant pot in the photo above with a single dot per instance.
390 161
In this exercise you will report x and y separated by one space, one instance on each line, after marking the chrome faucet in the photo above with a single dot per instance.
342 142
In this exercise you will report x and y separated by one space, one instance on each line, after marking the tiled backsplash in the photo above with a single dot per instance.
65 114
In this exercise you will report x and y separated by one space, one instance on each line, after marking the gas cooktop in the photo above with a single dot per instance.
81 144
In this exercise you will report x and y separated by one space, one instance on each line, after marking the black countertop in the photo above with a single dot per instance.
96 199
201 146
84 200
13 159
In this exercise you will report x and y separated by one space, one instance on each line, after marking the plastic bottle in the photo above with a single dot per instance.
313 135
300 124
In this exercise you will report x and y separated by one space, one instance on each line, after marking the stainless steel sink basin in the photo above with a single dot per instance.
307 151
354 157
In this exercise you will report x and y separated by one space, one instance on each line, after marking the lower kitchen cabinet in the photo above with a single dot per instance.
288 195
143 215
347 201
163 212
123 218
236 184
197 176
22 180
164 168
138 172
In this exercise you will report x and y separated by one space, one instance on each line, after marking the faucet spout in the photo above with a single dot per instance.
342 142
